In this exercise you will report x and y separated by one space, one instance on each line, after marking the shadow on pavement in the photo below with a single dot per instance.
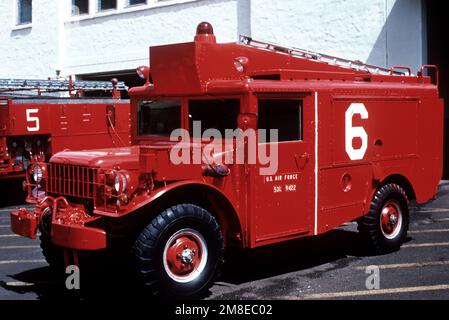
338 246
12 192
50 285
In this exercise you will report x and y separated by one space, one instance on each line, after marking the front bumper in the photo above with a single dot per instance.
68 225
78 237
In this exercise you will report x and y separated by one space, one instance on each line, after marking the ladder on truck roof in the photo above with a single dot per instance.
59 85
315 56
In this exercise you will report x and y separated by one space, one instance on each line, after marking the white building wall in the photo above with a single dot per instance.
406 34
117 42
31 51
379 32
383 32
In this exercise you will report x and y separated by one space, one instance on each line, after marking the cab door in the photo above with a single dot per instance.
283 199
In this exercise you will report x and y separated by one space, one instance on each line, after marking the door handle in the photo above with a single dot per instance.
302 160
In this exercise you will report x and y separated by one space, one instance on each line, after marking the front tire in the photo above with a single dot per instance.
53 254
179 254
385 226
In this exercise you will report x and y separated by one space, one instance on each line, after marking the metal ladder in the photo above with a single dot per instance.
58 85
315 56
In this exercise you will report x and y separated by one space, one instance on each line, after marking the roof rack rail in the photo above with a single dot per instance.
59 85
315 56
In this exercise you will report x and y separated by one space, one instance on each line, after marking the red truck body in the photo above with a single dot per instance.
366 141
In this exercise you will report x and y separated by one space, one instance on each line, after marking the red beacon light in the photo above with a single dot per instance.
115 92
205 33
144 73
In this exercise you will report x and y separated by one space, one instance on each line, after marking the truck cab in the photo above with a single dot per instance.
244 145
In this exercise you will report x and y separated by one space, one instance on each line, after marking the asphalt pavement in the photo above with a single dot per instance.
332 266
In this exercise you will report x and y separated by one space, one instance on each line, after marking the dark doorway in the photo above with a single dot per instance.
130 78
438 53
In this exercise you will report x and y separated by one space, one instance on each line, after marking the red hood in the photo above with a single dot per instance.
126 158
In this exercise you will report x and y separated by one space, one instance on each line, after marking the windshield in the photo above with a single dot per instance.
161 117
158 118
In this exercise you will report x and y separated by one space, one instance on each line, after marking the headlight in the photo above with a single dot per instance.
38 173
120 182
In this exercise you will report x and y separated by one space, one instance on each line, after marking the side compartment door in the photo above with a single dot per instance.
283 198
368 137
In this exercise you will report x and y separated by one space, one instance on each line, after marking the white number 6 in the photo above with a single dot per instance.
33 119
355 132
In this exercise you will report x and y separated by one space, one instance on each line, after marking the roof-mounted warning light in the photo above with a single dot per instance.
115 92
240 64
144 73
205 33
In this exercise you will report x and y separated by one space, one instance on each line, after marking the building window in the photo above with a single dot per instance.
24 11
107 5
136 2
80 7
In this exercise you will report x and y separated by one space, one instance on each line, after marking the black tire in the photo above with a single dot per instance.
89 261
53 254
376 234
156 272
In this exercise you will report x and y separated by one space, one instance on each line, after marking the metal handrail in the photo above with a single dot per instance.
315 56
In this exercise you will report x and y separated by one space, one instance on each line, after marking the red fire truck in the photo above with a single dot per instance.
354 143
35 126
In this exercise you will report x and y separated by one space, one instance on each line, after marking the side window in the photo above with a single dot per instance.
214 114
285 115
158 118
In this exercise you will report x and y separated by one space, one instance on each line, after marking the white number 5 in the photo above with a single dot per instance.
355 132
32 120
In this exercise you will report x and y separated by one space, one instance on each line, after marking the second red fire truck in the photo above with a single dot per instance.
35 123
354 143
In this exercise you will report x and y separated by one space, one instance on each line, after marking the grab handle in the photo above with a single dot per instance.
394 68
436 79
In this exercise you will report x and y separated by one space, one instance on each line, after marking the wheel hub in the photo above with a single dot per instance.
391 219
185 255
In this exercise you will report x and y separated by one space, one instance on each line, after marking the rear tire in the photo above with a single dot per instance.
179 254
385 226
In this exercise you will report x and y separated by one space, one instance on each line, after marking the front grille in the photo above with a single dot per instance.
73 181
